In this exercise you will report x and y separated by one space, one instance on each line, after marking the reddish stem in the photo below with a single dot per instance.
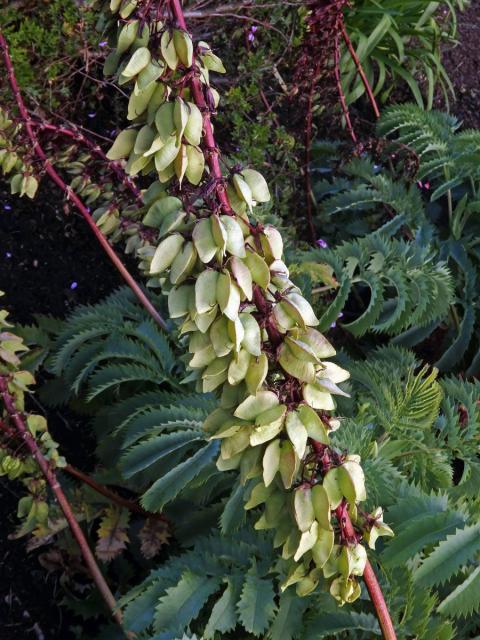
212 155
350 535
343 102
131 505
369 577
97 150
19 423
360 71
308 152
70 193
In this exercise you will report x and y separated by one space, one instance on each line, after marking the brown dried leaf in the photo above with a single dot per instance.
153 535
112 533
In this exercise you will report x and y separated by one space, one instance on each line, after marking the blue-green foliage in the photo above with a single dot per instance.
412 271
411 429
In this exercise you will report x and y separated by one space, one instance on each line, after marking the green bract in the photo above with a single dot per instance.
250 331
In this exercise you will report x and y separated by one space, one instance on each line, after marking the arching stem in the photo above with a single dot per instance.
131 505
370 579
52 173
79 137
360 71
18 422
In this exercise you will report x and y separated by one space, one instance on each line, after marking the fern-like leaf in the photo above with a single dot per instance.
183 602
169 486
224 617
449 557
465 599
420 533
256 606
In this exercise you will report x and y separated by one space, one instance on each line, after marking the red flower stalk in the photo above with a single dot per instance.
18 422
70 195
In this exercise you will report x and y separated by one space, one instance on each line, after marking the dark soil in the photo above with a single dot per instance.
462 63
27 593
49 263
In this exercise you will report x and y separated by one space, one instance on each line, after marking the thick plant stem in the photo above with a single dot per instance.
370 579
360 71
49 169
212 152
373 587
23 432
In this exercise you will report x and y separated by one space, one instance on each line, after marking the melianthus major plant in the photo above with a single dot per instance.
248 327
251 330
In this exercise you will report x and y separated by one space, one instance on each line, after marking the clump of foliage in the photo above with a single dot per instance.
416 267
412 430
58 35
399 41
250 331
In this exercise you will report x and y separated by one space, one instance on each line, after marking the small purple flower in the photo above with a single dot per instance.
74 285
92 114
7 207
251 37
334 324
423 185
8 254
322 243
103 43
253 29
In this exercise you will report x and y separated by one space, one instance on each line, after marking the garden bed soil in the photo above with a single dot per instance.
462 63
49 263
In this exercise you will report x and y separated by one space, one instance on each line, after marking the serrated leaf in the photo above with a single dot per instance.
150 451
233 514
288 620
449 557
331 624
183 602
416 536
256 606
112 533
465 599
169 486
224 617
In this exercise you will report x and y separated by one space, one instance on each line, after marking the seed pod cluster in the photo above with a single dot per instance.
22 182
251 333
169 140
15 464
